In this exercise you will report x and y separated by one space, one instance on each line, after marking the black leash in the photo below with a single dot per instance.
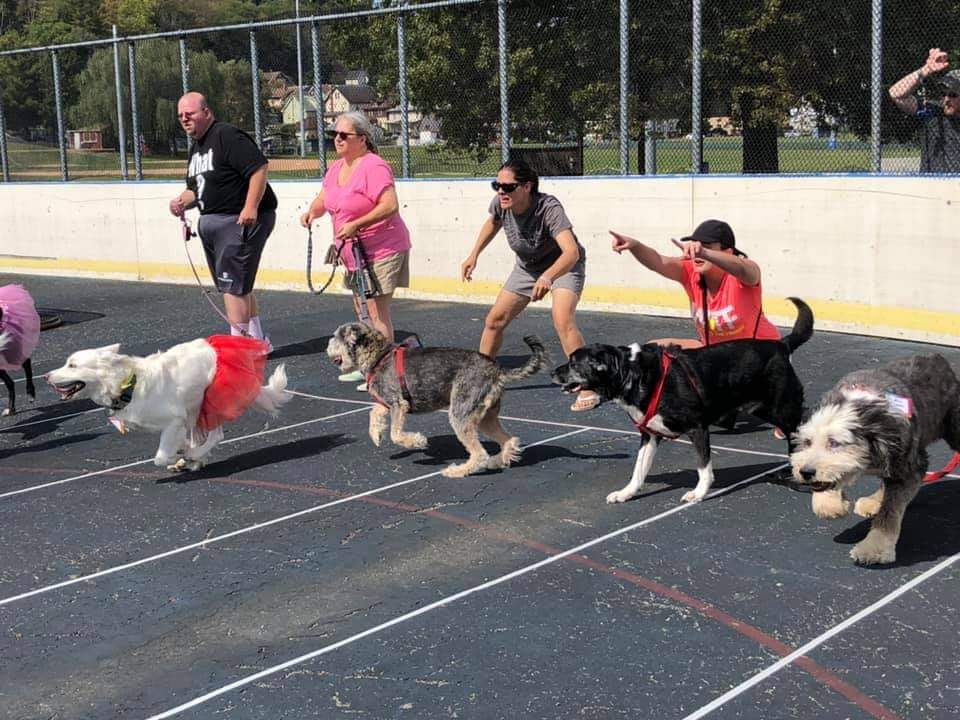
334 261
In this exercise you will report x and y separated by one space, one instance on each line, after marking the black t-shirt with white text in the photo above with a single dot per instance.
219 169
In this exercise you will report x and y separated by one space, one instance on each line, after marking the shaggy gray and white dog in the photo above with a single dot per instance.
466 382
878 422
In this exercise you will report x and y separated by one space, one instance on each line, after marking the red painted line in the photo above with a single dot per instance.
819 673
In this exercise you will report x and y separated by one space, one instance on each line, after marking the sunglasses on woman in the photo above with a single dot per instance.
506 187
341 135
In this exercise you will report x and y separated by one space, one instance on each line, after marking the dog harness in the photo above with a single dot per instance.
666 361
399 353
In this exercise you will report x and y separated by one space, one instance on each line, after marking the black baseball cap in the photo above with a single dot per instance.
715 231
950 82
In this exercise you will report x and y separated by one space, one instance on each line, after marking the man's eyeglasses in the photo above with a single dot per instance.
952 95
341 135
506 187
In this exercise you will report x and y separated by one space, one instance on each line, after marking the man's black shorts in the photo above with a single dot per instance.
233 251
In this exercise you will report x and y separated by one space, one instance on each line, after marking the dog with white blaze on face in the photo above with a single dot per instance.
186 393
669 392
878 422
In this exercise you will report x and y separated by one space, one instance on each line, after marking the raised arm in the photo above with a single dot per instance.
670 267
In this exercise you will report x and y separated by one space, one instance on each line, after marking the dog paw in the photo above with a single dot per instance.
162 461
508 455
184 465
692 496
376 438
866 507
416 441
463 469
871 552
618 496
829 504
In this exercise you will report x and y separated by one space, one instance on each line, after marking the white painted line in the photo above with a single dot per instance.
33 488
819 640
241 531
50 419
443 601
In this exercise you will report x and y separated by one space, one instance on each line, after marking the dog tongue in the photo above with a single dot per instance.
119 424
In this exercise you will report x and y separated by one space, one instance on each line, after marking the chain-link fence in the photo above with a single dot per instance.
453 88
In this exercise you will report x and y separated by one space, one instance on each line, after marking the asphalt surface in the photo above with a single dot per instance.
323 577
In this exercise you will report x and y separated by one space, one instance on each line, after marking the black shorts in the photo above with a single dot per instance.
233 251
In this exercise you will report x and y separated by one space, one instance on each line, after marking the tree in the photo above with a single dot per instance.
158 89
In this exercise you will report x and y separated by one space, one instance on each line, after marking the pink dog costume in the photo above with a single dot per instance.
21 323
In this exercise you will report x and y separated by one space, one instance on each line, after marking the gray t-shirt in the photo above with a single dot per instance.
532 235
940 142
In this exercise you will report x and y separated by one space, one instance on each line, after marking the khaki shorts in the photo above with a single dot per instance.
391 272
521 280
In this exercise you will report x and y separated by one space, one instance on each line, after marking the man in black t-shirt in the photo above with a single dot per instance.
227 181
940 142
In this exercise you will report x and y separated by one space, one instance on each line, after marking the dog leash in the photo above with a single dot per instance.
939 474
188 233
333 270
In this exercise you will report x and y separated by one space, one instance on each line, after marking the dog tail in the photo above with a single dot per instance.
535 364
802 328
273 395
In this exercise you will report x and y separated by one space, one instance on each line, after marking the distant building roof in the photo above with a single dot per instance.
358 94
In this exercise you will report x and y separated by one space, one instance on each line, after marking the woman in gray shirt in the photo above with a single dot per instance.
549 259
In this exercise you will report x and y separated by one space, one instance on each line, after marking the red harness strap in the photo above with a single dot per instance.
399 353
666 360
934 476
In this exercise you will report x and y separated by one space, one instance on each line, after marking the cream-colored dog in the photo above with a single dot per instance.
186 393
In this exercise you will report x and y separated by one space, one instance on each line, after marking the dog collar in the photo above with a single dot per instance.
126 393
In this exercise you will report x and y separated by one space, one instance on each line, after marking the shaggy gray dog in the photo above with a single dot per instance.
466 382
878 422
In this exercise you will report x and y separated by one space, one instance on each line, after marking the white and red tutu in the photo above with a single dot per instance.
21 323
241 362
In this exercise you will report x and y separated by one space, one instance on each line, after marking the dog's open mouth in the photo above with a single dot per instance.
572 387
820 486
68 390
338 361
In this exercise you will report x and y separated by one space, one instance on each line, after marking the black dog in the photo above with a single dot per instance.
669 392
11 408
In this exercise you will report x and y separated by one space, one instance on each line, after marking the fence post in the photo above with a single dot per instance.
303 109
4 159
650 148
404 103
624 97
318 96
121 130
696 132
135 111
255 81
58 99
876 78
184 66
504 104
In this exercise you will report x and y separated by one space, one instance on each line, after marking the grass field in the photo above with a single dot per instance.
30 161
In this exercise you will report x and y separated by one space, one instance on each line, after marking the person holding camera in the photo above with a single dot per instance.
940 139
360 195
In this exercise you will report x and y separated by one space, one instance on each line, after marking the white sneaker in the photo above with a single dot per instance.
362 387
355 376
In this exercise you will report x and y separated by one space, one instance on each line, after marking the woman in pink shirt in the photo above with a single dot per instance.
358 192
711 263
